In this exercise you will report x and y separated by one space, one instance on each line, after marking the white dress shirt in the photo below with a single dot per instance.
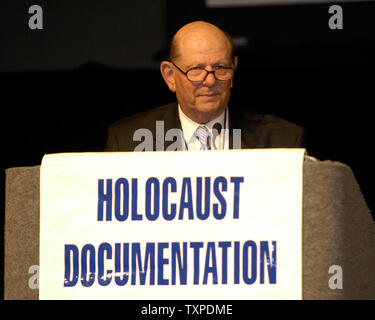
189 127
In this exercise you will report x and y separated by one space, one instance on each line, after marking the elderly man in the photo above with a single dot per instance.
200 72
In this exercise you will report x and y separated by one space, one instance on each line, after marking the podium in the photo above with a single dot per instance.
337 230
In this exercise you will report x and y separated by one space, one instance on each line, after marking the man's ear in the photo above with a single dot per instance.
235 61
166 69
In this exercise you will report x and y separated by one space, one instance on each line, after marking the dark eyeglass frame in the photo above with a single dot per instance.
207 72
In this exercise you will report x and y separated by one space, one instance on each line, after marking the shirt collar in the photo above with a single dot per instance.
189 126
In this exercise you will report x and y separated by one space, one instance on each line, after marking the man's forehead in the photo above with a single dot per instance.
203 44
196 57
190 61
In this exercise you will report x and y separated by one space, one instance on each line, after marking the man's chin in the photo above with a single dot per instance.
210 111
212 107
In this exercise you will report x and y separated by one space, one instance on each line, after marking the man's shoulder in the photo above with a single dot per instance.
263 121
146 119
121 132
269 131
278 123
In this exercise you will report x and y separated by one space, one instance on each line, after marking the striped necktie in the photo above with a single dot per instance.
204 137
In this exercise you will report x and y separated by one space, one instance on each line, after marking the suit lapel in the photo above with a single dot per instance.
170 120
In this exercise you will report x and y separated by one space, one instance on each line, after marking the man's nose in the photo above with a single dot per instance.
210 80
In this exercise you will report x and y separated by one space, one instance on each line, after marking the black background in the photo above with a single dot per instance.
97 61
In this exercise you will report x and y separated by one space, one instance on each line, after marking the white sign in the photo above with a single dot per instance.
172 225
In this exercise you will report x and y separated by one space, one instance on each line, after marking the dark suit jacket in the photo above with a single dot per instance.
257 130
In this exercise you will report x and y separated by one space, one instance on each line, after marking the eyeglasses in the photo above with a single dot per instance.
200 74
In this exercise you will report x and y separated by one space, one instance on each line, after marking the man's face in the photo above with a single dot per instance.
206 100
